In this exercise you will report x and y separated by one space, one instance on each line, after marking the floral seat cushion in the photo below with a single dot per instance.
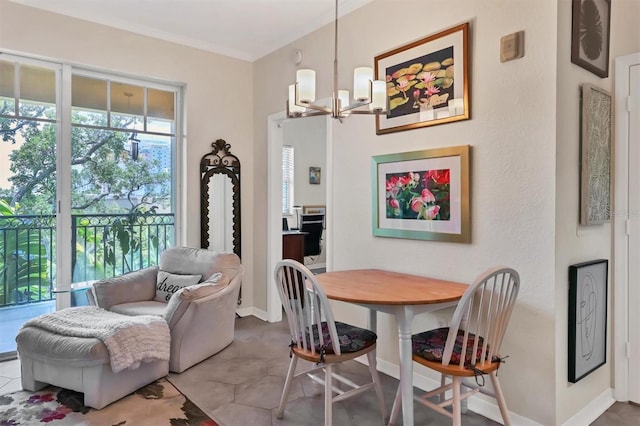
352 338
430 346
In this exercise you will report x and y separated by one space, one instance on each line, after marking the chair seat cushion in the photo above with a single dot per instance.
352 338
149 307
430 346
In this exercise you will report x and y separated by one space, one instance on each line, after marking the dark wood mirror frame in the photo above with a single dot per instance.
219 161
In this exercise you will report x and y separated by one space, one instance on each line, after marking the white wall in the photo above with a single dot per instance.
308 137
513 169
214 109
575 243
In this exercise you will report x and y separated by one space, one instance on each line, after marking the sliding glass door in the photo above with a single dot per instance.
86 183
28 187
122 144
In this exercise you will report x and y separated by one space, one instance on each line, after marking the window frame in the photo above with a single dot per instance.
63 79
288 178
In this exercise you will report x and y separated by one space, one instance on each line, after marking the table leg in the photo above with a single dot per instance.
404 318
373 320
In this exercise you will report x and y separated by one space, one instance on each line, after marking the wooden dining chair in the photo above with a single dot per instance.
469 347
317 338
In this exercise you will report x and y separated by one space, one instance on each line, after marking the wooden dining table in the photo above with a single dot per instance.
398 294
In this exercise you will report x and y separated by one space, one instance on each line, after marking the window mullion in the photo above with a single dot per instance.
63 186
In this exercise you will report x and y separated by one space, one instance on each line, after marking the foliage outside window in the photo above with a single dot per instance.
121 165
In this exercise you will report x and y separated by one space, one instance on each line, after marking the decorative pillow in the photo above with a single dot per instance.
212 285
167 284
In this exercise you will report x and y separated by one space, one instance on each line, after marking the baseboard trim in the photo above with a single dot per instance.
477 405
586 416
258 313
592 410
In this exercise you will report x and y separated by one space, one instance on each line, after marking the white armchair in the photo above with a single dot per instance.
201 317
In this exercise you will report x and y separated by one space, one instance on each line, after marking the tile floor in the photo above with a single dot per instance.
242 384
10 376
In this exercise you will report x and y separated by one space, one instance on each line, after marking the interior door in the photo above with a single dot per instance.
634 234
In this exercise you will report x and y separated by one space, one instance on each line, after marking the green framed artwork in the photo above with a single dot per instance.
423 195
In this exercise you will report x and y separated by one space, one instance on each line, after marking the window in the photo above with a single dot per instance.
94 160
87 180
287 179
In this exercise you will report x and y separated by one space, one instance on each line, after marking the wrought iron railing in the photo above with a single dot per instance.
103 246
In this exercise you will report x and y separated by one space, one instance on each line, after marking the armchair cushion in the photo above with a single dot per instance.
179 303
150 307
186 260
167 284
212 285
135 286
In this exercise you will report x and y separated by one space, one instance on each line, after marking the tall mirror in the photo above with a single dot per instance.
220 199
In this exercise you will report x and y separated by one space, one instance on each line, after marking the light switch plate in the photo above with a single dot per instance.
512 46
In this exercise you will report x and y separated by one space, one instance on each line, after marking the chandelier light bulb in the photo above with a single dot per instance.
306 79
361 78
379 96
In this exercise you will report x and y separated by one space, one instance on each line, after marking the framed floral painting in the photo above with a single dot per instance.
427 81
423 195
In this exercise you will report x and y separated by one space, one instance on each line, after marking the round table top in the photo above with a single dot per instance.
379 287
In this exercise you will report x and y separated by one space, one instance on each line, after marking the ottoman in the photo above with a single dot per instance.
80 364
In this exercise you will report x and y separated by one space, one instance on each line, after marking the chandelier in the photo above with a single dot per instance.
366 91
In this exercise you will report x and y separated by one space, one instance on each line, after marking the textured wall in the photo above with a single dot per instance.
512 134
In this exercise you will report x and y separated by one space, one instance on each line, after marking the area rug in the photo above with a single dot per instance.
156 404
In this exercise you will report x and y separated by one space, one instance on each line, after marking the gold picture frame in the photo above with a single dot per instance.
423 195
427 81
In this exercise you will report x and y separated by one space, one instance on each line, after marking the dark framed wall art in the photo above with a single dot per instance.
587 317
314 175
590 35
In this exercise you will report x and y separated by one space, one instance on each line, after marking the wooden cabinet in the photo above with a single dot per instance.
293 245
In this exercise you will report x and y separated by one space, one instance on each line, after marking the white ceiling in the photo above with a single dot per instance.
244 29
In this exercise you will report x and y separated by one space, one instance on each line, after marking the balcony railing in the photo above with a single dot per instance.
102 246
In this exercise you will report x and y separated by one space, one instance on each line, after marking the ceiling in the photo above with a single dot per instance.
243 29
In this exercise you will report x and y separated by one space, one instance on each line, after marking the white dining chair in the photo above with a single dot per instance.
469 347
317 338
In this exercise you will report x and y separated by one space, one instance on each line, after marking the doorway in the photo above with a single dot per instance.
282 131
626 345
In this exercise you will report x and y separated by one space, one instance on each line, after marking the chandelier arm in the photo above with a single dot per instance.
354 105
307 114
368 112
324 109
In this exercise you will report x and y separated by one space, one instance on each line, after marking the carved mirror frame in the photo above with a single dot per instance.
219 161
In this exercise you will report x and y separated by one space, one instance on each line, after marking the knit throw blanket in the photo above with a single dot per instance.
129 339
